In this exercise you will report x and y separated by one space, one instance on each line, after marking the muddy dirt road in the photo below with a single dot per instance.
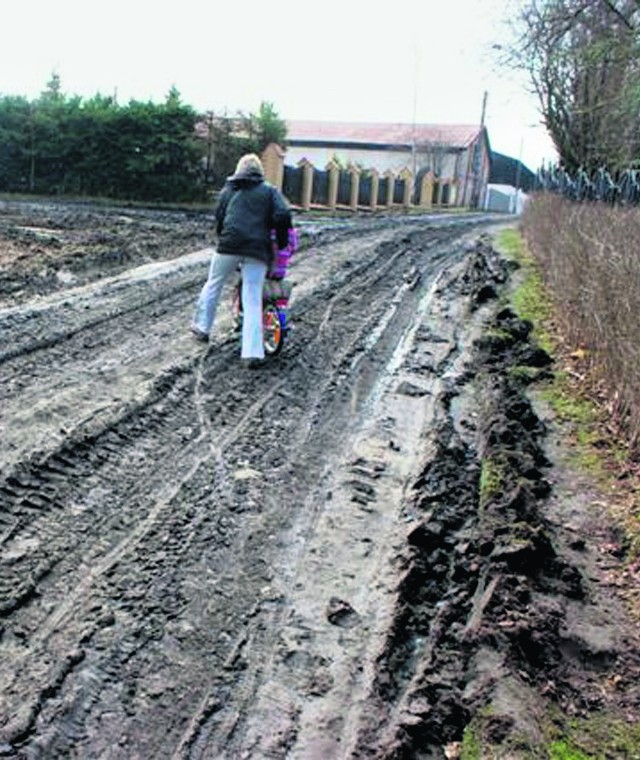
347 553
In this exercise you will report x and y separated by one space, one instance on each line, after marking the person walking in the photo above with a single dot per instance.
248 209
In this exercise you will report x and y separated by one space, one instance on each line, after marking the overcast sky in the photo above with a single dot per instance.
345 60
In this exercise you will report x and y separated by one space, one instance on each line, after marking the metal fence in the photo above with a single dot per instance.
344 189
320 191
622 188
292 184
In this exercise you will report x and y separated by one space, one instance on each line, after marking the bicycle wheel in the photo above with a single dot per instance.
272 332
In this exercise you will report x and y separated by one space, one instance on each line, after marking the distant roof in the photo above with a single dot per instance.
375 133
510 171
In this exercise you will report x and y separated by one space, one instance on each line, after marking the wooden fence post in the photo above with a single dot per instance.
391 182
307 183
407 177
273 162
334 177
375 182
426 190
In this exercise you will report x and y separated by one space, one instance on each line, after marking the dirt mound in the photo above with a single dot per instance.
501 624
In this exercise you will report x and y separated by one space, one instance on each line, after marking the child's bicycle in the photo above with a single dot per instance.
275 300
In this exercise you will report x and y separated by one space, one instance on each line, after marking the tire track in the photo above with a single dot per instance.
130 506
212 725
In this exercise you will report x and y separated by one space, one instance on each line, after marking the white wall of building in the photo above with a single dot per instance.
382 160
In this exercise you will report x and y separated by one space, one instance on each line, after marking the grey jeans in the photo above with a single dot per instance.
253 274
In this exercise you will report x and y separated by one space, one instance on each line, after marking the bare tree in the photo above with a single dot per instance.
431 155
581 57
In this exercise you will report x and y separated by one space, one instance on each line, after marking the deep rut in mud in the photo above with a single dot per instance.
342 554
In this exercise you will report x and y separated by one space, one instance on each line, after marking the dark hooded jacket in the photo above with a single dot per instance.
248 209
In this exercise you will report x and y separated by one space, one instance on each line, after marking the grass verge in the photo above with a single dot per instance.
596 449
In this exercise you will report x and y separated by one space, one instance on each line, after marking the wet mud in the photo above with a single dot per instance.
355 551
47 247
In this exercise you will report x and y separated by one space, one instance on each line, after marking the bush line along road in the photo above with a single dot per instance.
347 553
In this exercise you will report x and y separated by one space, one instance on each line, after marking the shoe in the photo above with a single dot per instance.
203 337
253 363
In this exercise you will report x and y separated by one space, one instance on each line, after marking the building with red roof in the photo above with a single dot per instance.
456 153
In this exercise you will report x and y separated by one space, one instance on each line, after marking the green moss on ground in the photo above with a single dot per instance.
471 748
530 299
491 479
598 737
601 736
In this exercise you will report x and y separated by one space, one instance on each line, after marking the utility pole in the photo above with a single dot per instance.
518 169
477 155
413 122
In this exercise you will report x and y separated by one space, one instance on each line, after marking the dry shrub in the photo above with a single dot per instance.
589 256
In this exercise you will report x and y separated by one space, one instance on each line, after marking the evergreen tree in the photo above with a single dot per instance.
58 144
15 144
